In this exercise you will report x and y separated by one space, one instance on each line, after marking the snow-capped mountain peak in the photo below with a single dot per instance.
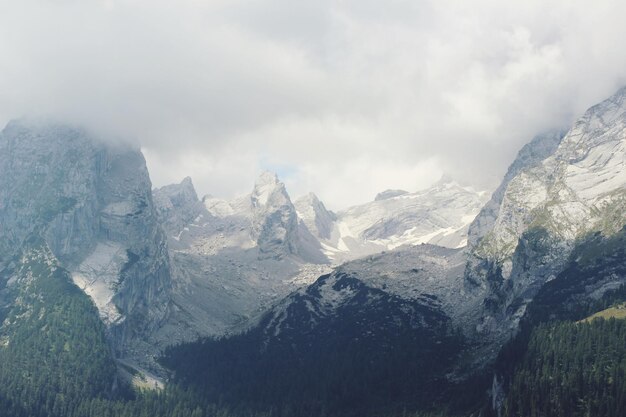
440 215
267 186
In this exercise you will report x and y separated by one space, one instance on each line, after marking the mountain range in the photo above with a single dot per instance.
232 259
422 294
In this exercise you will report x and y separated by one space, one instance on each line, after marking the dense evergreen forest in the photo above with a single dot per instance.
53 346
571 370
346 376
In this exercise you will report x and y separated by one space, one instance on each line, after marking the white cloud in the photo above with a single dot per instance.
344 98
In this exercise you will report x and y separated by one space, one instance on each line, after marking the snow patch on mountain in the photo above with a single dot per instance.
234 258
560 189
439 215
98 276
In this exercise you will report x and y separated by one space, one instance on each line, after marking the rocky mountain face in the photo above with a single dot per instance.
275 223
597 268
91 203
560 190
177 206
232 259
531 155
274 219
545 210
266 219
387 194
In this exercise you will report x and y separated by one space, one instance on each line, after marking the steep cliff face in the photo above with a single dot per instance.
575 190
317 219
530 156
91 202
274 218
544 210
231 259
38 190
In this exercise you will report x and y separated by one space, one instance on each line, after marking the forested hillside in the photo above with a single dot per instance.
572 370
53 347
569 358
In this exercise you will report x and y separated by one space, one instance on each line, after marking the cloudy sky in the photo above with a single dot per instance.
344 98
